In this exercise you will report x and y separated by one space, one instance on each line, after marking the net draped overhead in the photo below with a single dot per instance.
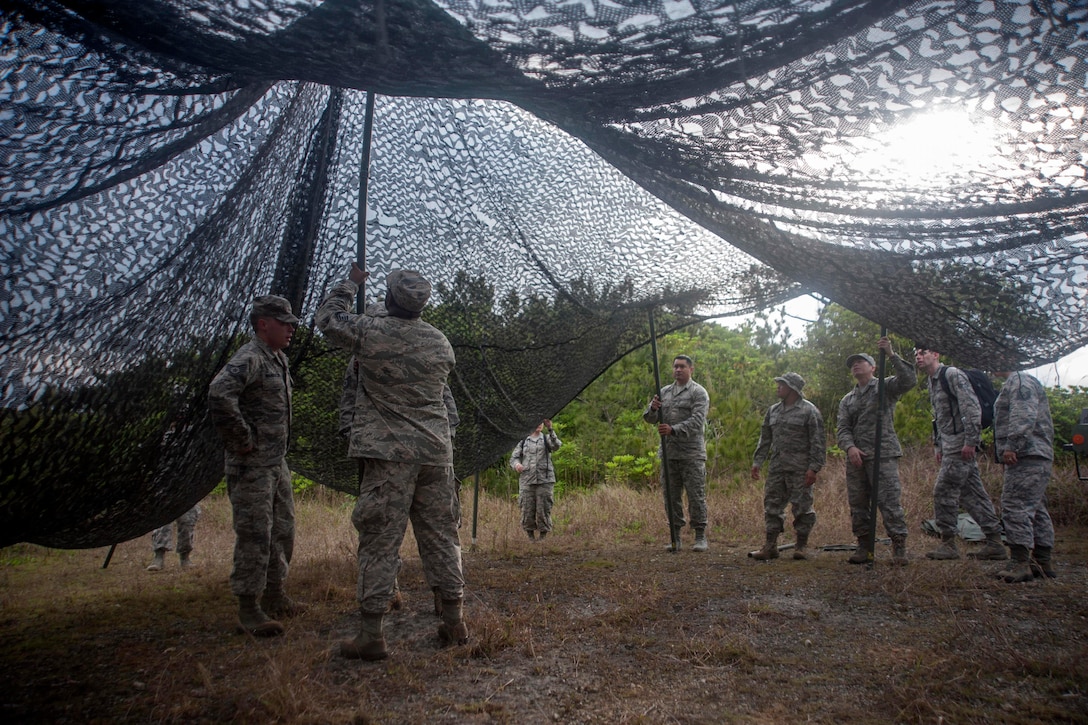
555 168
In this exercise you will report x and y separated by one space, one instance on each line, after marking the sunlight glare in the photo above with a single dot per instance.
929 149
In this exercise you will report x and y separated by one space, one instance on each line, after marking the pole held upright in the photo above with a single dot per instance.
364 190
874 484
667 488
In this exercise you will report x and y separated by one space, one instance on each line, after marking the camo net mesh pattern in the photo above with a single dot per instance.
556 168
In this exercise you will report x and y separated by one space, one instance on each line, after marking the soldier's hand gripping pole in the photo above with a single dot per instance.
666 487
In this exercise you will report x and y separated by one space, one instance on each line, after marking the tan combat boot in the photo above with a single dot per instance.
899 551
369 644
946 551
1041 565
184 561
157 562
769 550
992 550
276 603
1019 569
800 549
861 552
700 541
453 629
251 620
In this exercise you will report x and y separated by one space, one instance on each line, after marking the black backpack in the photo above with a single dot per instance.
984 391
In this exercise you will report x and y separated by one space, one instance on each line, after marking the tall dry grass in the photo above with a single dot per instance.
598 615
735 505
608 515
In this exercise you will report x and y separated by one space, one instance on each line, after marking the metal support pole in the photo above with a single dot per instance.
475 506
109 555
874 484
667 487
364 187
360 235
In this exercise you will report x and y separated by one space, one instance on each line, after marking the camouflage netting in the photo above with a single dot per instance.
557 168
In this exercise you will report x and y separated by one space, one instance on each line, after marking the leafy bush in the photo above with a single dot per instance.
1066 405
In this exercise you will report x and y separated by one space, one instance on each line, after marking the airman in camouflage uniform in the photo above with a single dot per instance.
347 414
956 437
679 412
793 440
532 459
401 430
162 540
856 435
250 403
1024 439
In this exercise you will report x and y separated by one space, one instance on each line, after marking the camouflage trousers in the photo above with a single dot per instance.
859 494
430 576
787 487
535 501
1023 504
264 527
392 494
163 537
960 484
686 476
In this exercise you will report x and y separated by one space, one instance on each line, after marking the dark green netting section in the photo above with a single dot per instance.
556 168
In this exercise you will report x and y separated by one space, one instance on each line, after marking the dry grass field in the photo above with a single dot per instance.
599 624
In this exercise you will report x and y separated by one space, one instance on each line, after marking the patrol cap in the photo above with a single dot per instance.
859 356
793 381
409 289
275 307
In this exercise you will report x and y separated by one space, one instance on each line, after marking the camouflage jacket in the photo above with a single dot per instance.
792 438
403 365
535 455
685 409
1022 422
958 426
858 412
351 390
250 404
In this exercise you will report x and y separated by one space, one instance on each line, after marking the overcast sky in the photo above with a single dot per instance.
1068 371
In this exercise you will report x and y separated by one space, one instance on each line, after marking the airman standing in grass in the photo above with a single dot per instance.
250 404
162 540
957 433
857 437
1024 438
532 459
792 439
680 412
401 431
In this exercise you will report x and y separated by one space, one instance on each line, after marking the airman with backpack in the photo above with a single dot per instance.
957 428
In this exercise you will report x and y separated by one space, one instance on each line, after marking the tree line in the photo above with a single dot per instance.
605 439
